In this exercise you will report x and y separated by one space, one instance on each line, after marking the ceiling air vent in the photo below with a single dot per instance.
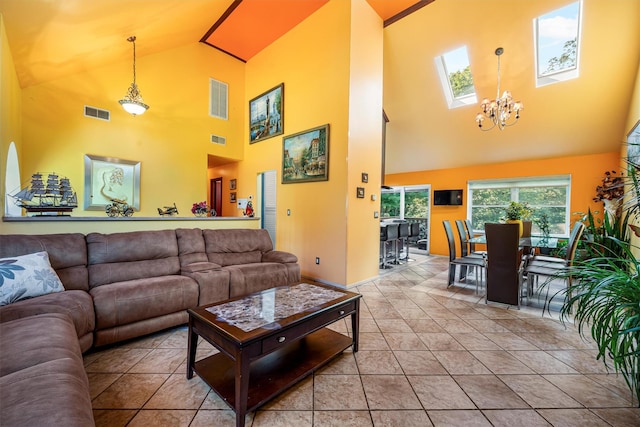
220 140
97 113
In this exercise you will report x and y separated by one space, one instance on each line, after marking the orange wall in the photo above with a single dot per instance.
586 173
316 89
227 172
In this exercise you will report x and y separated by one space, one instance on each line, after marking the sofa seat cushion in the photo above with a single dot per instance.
77 305
247 278
37 339
52 393
134 300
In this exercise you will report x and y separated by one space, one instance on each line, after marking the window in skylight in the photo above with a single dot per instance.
455 77
557 44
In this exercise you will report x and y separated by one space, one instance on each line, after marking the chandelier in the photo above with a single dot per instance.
132 101
502 111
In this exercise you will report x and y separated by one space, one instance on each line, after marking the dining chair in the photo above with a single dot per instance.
463 237
471 235
454 261
552 267
504 264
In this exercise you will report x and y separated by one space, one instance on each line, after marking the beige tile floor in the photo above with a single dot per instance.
428 356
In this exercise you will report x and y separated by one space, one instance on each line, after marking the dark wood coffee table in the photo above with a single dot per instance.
269 341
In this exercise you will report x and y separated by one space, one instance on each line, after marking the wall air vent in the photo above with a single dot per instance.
97 113
220 140
218 103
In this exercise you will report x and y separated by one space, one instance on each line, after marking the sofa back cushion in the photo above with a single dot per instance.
236 246
67 254
119 257
190 246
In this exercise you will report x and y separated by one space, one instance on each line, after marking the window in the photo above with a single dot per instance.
557 44
218 99
455 77
545 194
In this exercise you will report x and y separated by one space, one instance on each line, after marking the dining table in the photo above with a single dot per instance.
530 241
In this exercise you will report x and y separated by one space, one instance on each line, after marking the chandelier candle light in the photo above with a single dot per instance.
502 111
132 101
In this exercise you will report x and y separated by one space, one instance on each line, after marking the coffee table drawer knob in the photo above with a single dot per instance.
281 339
341 312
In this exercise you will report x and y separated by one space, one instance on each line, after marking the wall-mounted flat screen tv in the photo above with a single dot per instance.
447 197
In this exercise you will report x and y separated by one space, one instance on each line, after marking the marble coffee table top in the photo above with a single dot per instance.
270 306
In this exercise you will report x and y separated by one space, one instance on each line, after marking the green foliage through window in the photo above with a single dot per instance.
489 204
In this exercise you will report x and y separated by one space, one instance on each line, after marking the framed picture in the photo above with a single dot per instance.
365 177
360 192
232 184
266 114
232 197
107 179
305 156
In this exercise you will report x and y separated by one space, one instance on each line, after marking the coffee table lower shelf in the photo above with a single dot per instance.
274 373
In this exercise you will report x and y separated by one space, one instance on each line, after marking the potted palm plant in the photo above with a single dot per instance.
603 297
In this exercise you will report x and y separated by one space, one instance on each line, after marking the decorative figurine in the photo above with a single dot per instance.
118 207
47 195
168 210
248 211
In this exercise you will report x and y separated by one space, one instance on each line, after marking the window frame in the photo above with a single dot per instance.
514 184
443 74
561 75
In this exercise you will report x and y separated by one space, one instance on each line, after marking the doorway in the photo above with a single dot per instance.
412 204
267 193
215 195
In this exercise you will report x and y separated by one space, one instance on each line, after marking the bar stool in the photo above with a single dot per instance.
404 230
414 232
388 237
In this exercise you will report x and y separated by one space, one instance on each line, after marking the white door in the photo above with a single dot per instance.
267 185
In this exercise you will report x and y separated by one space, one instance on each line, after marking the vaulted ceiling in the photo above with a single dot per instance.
53 38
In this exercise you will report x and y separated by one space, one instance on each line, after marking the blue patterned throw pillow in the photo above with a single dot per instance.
27 276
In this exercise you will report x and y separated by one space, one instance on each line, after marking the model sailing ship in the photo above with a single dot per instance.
56 195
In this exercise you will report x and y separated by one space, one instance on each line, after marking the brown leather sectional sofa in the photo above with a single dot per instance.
117 286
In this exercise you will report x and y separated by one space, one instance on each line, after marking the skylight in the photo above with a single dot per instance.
455 77
557 44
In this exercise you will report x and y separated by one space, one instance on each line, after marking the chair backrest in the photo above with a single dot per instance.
503 253
452 244
404 230
469 225
574 239
470 234
463 236
392 231
415 229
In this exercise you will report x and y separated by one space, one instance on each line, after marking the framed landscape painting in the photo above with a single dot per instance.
266 114
305 156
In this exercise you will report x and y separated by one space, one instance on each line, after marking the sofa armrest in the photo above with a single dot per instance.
199 266
279 256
